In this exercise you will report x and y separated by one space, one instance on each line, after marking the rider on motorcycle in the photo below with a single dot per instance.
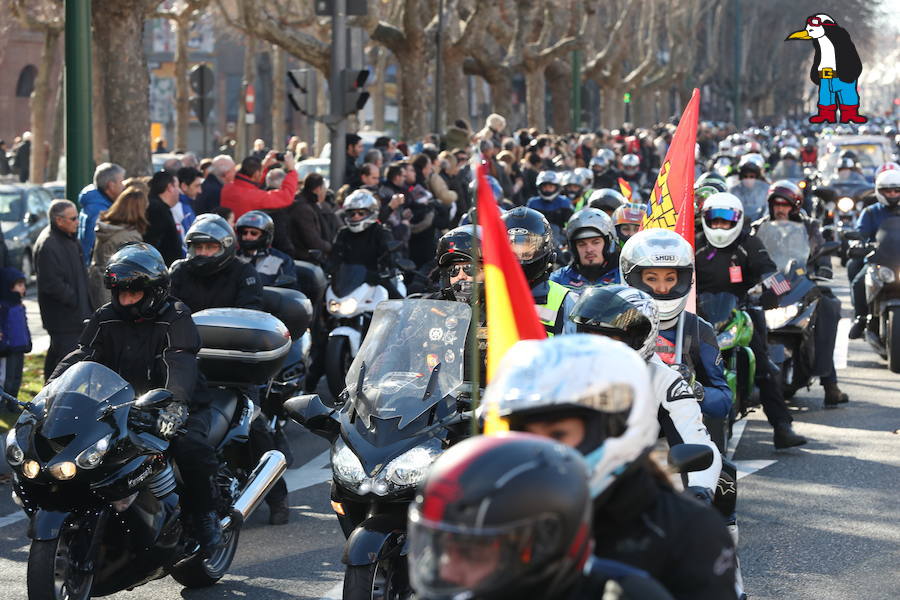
595 251
550 202
526 542
532 242
595 395
211 276
607 200
752 188
577 186
887 190
605 176
785 200
454 258
147 336
730 260
256 230
627 220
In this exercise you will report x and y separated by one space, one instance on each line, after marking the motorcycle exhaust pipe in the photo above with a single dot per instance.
272 465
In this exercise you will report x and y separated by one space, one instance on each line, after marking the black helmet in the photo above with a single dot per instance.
138 267
256 219
607 200
455 247
532 241
209 227
506 516
620 312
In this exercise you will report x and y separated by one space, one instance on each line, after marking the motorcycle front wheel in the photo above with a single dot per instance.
893 340
198 571
380 581
51 574
337 363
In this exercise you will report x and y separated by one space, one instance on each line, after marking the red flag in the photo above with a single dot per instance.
626 189
671 204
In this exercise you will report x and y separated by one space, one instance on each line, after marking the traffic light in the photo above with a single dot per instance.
299 96
352 83
627 98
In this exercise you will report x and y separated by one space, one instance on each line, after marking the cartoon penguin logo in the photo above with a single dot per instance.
835 69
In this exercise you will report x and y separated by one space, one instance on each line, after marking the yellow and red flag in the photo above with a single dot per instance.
625 187
671 204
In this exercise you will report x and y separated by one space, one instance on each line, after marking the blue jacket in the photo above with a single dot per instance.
702 354
13 319
92 202
871 219
573 279
557 210
187 207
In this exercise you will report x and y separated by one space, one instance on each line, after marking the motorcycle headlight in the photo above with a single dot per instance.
410 467
345 464
343 307
726 338
802 185
92 456
845 204
64 470
778 317
14 454
30 469
886 274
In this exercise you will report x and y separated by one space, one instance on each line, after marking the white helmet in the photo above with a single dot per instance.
659 249
727 207
630 164
545 178
360 201
598 378
889 179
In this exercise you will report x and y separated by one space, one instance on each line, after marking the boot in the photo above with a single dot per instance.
208 531
834 395
786 437
849 114
857 329
279 512
827 114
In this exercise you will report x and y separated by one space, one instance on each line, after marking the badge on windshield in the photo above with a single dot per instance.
436 334
735 274
451 322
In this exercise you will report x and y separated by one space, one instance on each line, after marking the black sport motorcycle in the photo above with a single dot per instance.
91 471
883 290
404 404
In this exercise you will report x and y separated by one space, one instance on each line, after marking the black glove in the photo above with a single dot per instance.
686 372
170 419
702 494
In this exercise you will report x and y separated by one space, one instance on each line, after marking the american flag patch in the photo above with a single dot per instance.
777 283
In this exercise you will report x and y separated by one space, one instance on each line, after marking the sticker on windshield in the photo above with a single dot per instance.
451 322
435 334
432 361
450 338
449 356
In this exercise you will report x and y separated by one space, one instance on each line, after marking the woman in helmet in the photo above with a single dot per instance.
627 220
594 249
147 336
527 540
752 188
211 276
364 241
531 239
595 395
256 230
549 201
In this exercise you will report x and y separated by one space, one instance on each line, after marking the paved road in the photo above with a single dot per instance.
819 523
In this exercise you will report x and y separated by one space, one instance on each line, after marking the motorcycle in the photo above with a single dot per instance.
91 472
350 302
883 290
734 330
402 407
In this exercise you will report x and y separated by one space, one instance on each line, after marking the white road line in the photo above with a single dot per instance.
12 518
736 432
335 593
842 344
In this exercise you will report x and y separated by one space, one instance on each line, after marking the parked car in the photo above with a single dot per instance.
314 165
23 214
57 189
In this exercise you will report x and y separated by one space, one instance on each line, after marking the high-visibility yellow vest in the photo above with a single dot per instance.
550 312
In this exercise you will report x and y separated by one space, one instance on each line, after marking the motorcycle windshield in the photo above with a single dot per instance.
717 308
785 241
887 240
74 400
411 359
349 276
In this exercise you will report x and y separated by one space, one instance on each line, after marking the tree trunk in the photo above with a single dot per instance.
536 98
279 97
501 94
119 42
58 143
98 108
243 135
39 101
379 89
454 87
182 105
412 102
559 76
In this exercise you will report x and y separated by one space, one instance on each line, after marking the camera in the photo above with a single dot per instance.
279 157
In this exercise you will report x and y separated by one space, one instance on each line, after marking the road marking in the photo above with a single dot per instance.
842 344
737 430
335 593
744 467
12 518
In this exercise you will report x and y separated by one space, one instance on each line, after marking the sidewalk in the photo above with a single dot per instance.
40 339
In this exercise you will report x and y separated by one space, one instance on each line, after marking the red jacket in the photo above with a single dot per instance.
242 195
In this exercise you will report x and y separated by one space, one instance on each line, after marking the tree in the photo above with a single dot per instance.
46 17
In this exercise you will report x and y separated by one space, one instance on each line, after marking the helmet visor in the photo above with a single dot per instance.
658 281
724 214
616 318
447 560
526 245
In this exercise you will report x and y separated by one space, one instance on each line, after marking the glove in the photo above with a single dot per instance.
702 494
699 391
170 419
686 372
825 272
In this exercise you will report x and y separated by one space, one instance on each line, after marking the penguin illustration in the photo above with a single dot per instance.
835 69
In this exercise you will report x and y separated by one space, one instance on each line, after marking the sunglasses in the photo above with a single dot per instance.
465 267
816 22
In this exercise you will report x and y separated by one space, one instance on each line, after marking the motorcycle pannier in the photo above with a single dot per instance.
240 346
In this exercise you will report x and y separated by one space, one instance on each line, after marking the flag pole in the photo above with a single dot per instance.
475 300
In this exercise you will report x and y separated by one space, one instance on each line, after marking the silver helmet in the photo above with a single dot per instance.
549 178
356 204
659 249
588 223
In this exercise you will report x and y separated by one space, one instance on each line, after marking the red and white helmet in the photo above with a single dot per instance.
888 166
888 179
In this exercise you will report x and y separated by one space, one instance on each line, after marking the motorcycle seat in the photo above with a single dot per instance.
222 405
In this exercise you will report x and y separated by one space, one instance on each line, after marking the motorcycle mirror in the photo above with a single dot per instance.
689 458
153 399
310 412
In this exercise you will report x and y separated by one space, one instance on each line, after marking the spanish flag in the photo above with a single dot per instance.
625 188
671 204
511 315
